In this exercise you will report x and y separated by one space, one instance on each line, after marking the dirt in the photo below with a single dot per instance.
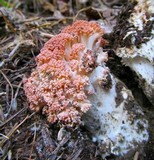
24 27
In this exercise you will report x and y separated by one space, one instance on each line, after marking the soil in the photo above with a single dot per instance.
24 28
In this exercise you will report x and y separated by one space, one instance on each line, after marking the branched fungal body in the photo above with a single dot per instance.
60 84
71 81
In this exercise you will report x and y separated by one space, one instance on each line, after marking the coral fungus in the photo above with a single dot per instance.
71 78
60 84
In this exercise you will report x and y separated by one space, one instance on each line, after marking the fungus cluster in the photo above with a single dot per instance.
59 86
71 78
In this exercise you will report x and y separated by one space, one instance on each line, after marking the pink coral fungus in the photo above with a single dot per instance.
59 86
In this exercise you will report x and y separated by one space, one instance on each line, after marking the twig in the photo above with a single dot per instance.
14 107
46 35
9 119
80 11
136 156
33 143
11 55
29 20
7 20
16 126
64 141
4 40
12 91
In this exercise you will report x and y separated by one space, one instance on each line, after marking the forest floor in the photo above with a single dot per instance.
24 28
